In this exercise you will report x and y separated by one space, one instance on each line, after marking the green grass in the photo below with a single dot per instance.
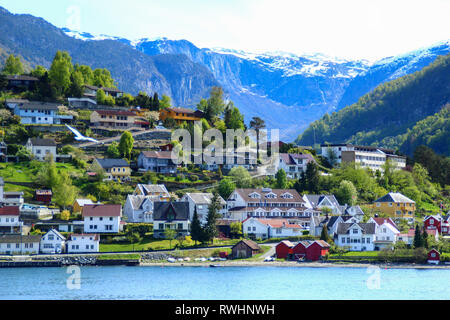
131 256
151 244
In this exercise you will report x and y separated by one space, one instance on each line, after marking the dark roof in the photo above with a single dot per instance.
38 142
188 111
157 154
315 199
162 211
394 197
111 163
289 158
102 210
115 113
17 238
251 244
36 105
9 211
367 228
22 77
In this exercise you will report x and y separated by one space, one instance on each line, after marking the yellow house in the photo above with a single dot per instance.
396 205
115 168
180 114
80 203
153 190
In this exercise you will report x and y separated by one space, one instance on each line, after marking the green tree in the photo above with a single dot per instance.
312 177
241 177
65 193
13 66
196 227
165 102
113 150
418 239
210 228
236 229
170 235
126 144
425 238
324 235
257 124
226 187
281 179
38 72
77 83
102 78
347 193
60 72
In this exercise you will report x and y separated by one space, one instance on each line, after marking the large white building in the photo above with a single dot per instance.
42 148
266 203
294 164
386 232
16 244
9 220
102 218
139 209
32 112
366 156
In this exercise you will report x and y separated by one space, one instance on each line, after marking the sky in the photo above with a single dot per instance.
350 29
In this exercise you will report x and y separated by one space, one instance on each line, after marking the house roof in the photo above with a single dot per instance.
197 113
287 243
367 228
380 221
316 199
251 244
36 105
354 211
17 238
38 142
225 222
278 223
115 113
289 158
162 210
9 211
137 201
83 202
245 194
157 154
56 232
102 210
96 236
394 197
21 77
111 163
203 198
44 192
147 189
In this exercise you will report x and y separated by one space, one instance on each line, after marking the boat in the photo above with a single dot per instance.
215 265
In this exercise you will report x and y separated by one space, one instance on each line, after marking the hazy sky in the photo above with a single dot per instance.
355 29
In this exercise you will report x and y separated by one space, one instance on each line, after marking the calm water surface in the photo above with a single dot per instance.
240 283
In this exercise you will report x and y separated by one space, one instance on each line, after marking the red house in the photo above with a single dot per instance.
434 256
284 249
299 250
432 223
317 250
44 196
311 250
445 225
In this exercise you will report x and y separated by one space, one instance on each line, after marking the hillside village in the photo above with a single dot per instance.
87 168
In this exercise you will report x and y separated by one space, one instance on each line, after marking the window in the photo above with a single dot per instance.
51 237
17 246
433 254
161 226
343 240
87 246
254 228
431 221
101 218
368 240
355 231
110 218
108 227
249 228
279 231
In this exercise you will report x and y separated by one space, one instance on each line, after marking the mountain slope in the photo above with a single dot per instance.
388 111
37 42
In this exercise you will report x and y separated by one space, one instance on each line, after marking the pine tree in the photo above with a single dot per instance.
418 240
196 227
324 235
213 214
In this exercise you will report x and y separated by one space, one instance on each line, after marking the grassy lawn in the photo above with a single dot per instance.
131 256
151 244
356 255
25 172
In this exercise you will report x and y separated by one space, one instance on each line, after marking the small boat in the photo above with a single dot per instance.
171 260
215 265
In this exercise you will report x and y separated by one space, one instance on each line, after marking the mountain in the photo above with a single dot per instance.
386 115
391 68
37 41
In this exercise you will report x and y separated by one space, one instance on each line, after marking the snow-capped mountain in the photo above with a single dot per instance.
287 90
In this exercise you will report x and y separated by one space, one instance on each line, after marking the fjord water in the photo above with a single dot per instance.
240 283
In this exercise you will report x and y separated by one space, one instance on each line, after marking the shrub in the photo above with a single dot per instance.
193 178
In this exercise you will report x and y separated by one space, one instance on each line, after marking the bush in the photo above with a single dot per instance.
193 178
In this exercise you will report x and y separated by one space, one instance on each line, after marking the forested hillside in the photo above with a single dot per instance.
384 115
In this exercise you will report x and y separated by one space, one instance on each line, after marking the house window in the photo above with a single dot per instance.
249 228
101 218
278 231
368 240
161 226
110 218
50 237
355 231
431 221
180 226
108 227
343 240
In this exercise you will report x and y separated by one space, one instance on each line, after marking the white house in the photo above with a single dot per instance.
83 243
294 164
320 201
271 228
171 215
32 112
152 190
332 222
356 236
102 218
52 242
157 161
139 209
266 203
9 220
386 232
201 201
16 244
41 148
